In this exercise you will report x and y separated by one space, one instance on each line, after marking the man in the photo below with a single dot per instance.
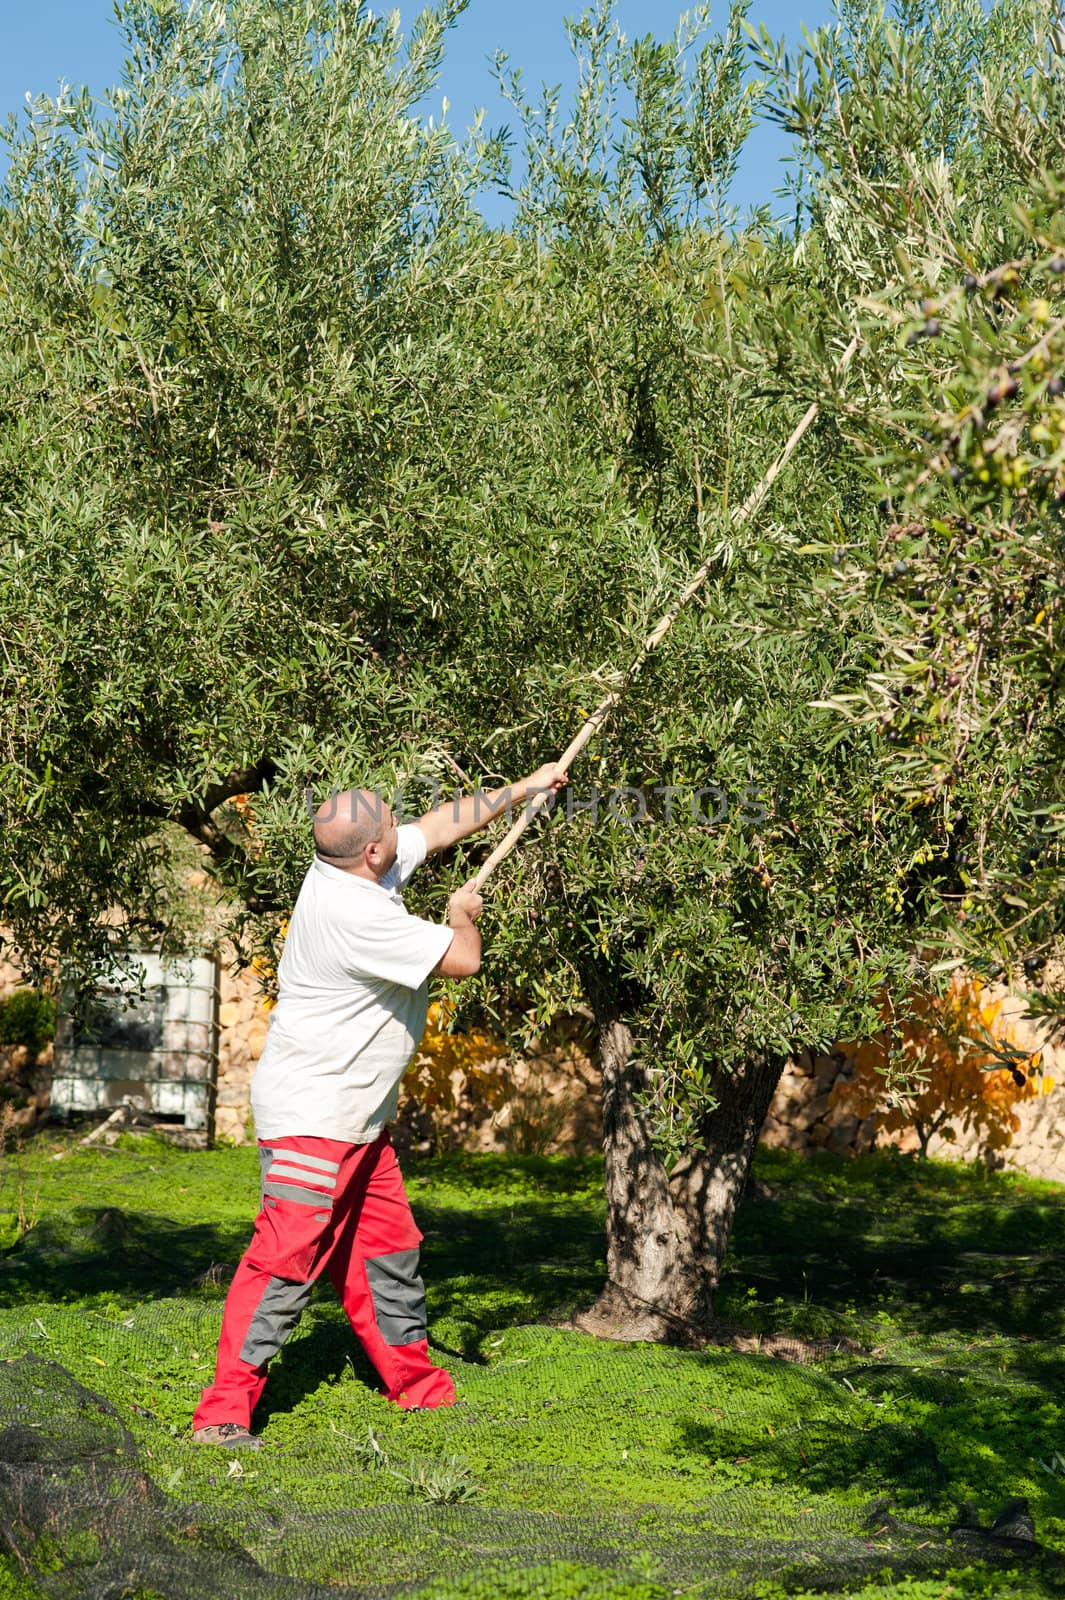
351 1009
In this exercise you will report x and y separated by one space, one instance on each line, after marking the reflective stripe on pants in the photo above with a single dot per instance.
341 1209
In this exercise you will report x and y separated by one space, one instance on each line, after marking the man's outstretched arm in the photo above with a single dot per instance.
457 819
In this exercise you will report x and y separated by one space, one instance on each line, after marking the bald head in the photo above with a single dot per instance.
346 823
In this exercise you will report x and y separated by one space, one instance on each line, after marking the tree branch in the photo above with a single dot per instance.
229 857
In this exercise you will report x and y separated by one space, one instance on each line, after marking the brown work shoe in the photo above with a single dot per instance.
230 1435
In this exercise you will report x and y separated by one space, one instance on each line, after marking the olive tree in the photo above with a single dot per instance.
222 295
741 889
937 219
310 478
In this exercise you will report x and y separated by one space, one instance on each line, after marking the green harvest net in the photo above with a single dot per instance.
97 1502
570 1467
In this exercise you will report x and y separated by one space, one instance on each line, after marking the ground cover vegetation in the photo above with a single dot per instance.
311 479
572 1467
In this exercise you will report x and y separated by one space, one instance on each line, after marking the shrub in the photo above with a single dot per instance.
27 1017
960 1064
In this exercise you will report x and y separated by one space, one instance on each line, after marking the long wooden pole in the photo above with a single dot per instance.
740 515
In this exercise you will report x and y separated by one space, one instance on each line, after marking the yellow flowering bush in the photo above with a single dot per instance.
453 1069
961 1067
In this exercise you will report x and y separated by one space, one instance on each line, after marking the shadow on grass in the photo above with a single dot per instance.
521 1239
946 1249
825 1457
930 1253
107 1251
477 1263
485 1269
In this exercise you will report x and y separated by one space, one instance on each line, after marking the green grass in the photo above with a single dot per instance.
573 1467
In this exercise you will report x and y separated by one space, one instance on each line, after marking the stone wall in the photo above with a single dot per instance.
806 1115
243 1018
547 1104
553 1105
1038 1148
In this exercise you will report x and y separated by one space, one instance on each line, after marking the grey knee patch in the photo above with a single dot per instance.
398 1296
301 1197
276 1315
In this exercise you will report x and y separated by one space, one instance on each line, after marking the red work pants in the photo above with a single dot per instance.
342 1209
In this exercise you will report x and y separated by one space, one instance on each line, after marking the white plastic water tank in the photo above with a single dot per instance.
149 1033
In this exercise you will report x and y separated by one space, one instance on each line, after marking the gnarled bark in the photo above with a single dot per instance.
667 1232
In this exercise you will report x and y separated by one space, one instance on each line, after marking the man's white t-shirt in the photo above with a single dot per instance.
353 994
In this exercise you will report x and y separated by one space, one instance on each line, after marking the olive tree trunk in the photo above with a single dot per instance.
667 1232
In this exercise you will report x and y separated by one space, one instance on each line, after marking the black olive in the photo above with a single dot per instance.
1005 389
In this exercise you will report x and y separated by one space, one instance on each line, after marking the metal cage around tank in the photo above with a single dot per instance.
148 1033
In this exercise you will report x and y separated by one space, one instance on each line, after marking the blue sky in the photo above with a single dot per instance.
77 40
